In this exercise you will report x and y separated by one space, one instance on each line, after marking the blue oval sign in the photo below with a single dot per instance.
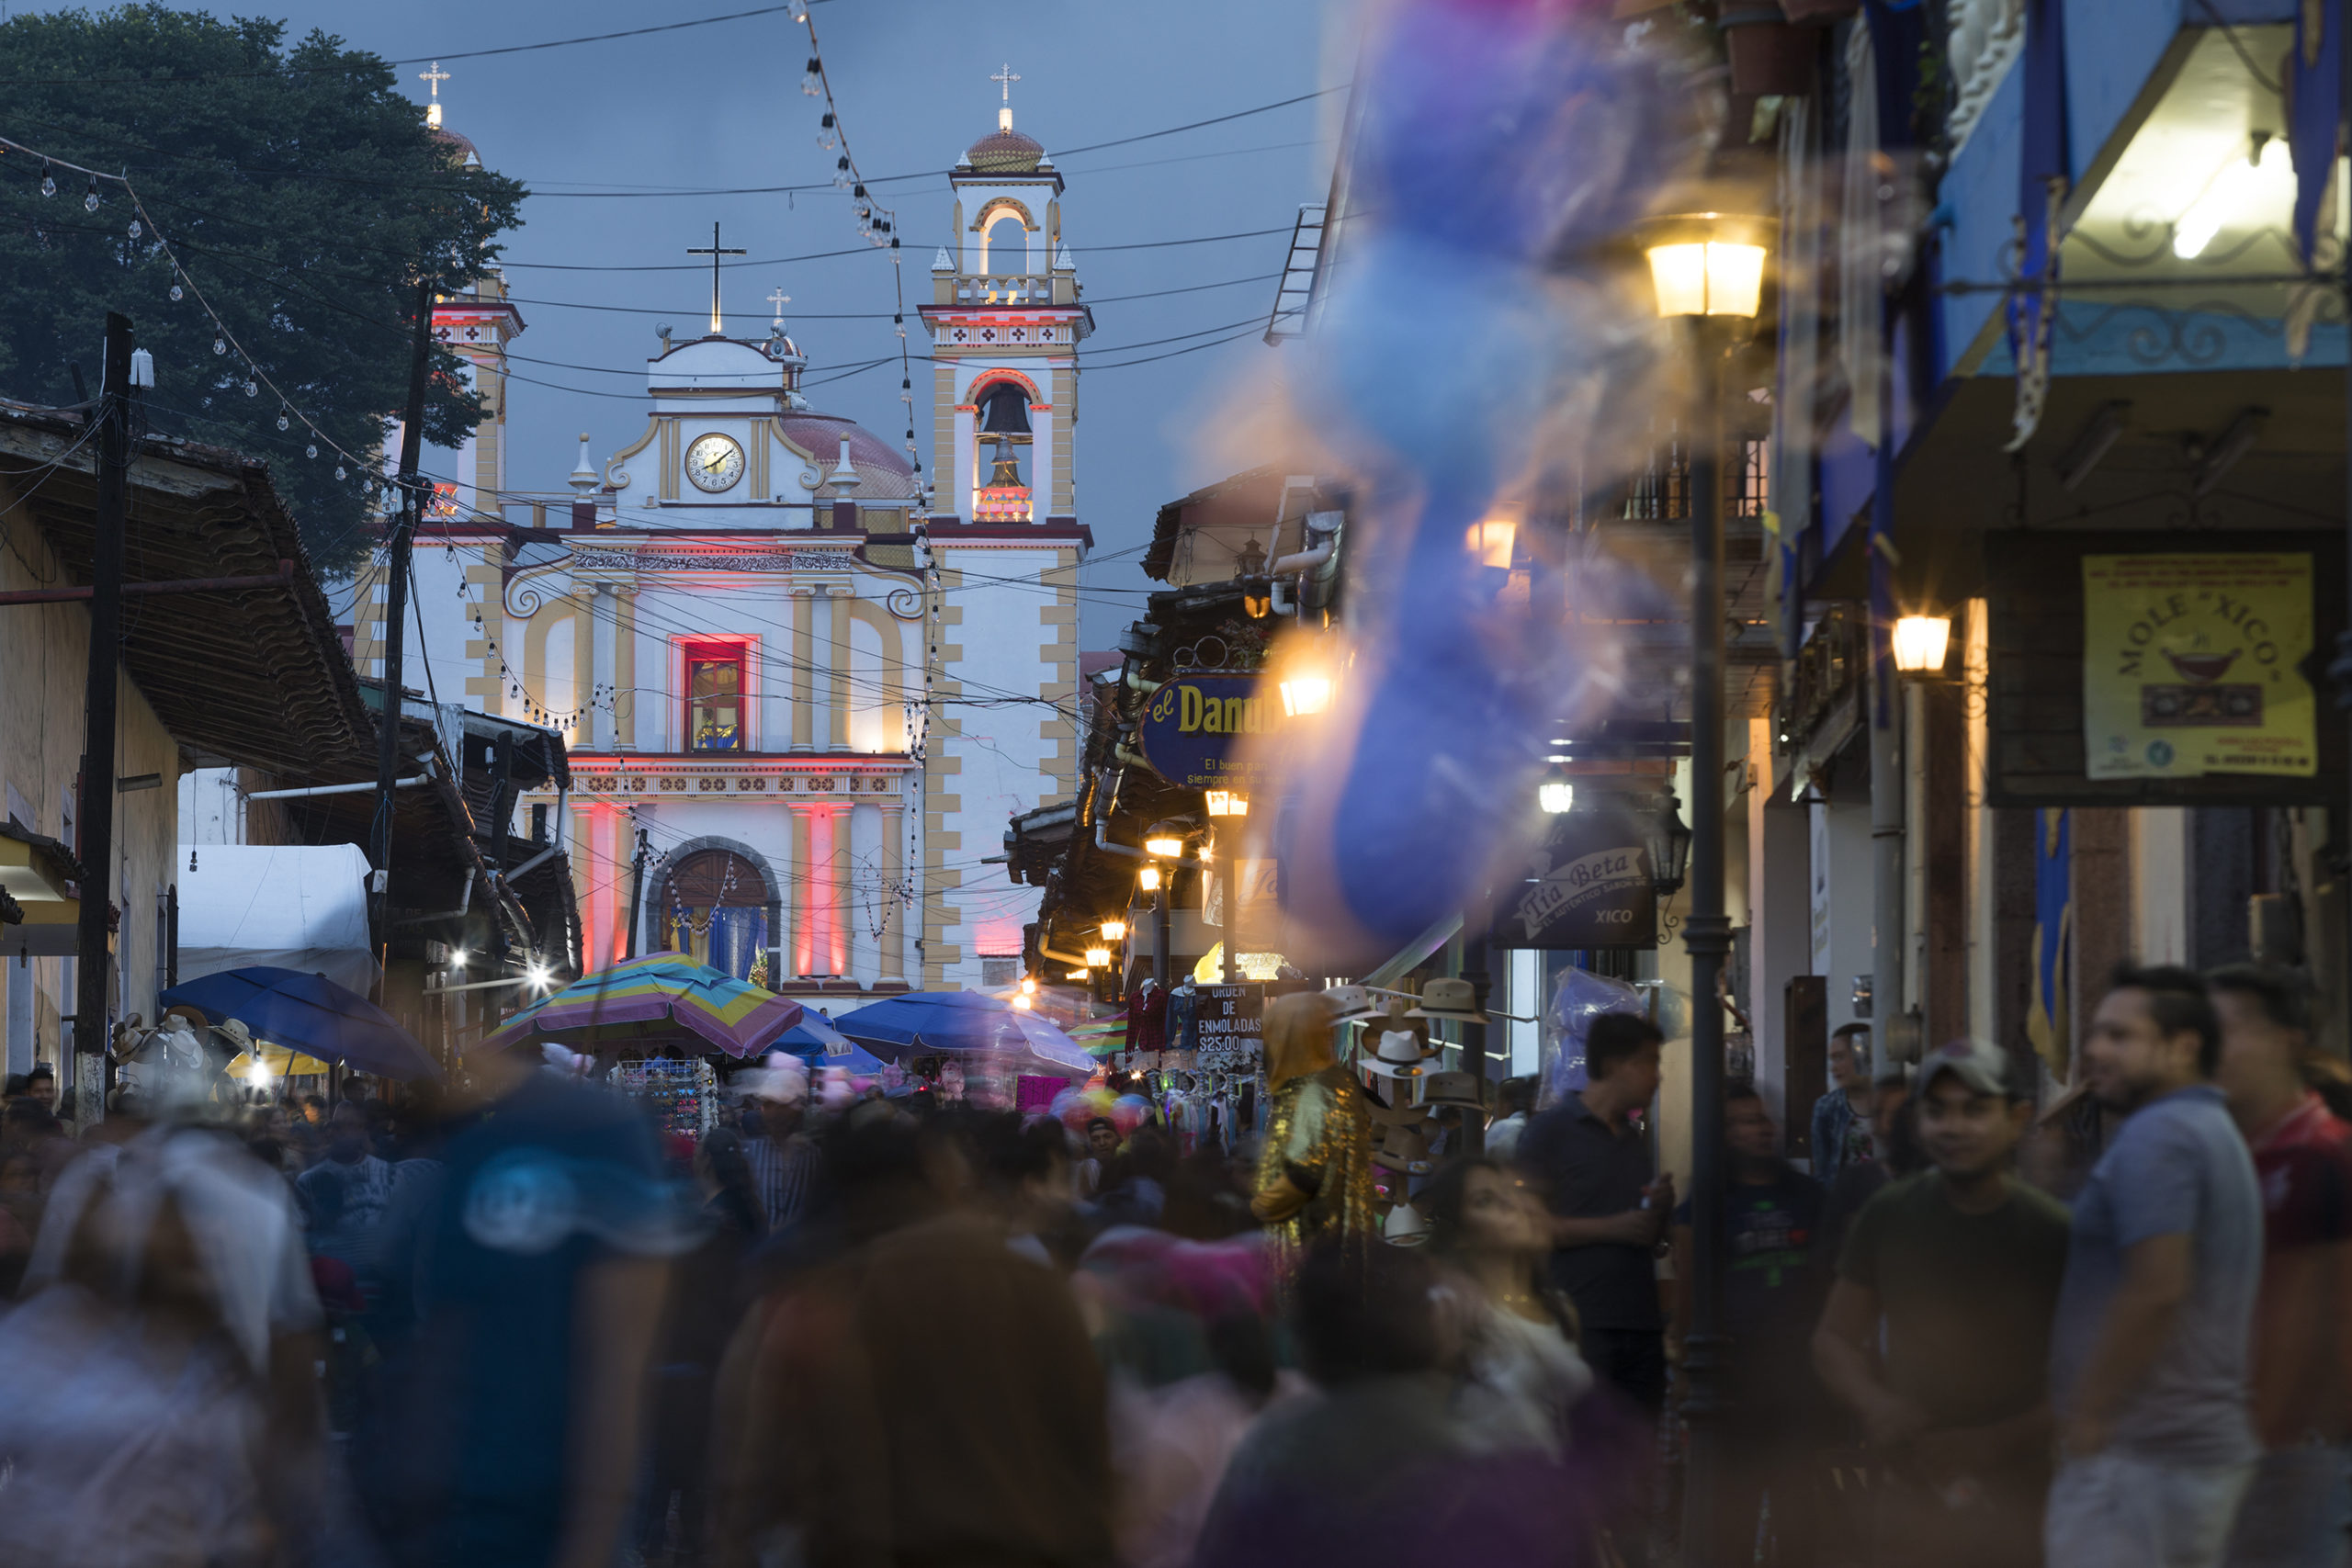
1196 727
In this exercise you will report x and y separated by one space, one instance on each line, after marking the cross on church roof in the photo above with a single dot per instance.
779 299
435 77
714 251
1005 77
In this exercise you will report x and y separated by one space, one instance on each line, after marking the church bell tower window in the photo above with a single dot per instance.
715 699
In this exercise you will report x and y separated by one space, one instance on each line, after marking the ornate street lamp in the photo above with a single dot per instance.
1921 643
1707 268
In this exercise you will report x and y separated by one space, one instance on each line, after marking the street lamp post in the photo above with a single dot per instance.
1229 805
1708 268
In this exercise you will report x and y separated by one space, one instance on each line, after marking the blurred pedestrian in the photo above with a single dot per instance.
2148 1356
1769 1409
1520 1368
1608 1207
1841 1116
1895 1153
929 1395
157 1398
1515 1106
787 1170
41 1086
344 1195
538 1281
1937 1332
2295 1510
706 1301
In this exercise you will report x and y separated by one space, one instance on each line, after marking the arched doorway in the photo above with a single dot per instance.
712 905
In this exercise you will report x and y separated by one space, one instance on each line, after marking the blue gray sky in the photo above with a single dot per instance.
672 114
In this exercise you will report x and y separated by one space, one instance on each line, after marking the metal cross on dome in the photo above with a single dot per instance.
434 77
1005 78
714 251
779 299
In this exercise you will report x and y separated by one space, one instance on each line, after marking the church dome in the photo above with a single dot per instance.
1005 151
460 146
883 472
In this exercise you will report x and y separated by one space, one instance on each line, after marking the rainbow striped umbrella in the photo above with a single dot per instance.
660 998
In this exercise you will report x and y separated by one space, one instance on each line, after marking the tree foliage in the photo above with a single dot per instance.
304 196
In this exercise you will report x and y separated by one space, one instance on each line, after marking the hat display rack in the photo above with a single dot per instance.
1401 1064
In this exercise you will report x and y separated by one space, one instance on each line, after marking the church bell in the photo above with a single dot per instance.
1006 412
1008 469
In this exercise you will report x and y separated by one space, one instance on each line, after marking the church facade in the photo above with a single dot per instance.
803 691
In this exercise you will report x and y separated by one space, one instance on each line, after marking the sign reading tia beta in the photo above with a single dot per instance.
2190 666
1196 727
1587 886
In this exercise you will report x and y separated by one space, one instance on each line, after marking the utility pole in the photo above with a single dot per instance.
1474 1035
636 893
95 818
396 554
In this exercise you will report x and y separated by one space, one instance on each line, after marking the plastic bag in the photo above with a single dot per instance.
1581 997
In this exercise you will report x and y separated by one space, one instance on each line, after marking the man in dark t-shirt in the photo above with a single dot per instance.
1609 1210
1771 1213
1937 1331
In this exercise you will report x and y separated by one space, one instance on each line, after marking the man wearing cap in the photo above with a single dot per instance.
786 1165
1609 1213
1937 1331
2149 1353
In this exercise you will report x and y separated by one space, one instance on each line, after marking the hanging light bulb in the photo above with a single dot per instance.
252 390
219 345
90 201
800 15
311 450
338 471
176 295
812 83
284 422
137 228
899 322
48 180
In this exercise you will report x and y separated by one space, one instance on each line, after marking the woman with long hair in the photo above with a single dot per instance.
1520 1368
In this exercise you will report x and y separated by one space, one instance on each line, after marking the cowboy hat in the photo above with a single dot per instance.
1405 1148
1404 1226
1350 1003
1395 1054
1453 1089
1454 1002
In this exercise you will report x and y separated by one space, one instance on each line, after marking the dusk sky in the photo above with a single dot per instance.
668 118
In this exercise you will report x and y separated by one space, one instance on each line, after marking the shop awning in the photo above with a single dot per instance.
297 906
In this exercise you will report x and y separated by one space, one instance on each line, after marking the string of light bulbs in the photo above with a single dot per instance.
143 228
878 224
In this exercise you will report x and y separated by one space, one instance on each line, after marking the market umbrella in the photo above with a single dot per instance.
660 998
309 1013
816 1041
960 1023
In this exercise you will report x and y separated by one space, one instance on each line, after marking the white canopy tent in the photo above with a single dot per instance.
294 906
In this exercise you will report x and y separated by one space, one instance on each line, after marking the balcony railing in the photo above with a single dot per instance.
1008 288
1002 503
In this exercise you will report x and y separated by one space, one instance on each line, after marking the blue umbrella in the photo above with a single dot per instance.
309 1013
960 1023
816 1041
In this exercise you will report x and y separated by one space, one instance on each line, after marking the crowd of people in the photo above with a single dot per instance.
514 1325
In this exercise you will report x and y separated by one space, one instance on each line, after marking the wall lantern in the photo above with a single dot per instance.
1921 644
1556 795
1114 930
1149 879
1226 803
1708 263
1669 844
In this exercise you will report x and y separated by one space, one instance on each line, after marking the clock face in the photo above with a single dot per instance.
714 463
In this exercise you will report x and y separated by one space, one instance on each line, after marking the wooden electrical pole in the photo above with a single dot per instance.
93 815
396 554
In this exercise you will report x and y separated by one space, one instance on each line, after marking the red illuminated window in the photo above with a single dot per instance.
715 698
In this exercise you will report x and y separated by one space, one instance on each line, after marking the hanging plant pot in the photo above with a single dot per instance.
1768 57
1819 12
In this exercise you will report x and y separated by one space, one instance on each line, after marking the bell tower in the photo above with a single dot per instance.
1005 323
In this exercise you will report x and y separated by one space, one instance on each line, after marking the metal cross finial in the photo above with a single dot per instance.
1006 78
714 251
434 77
779 299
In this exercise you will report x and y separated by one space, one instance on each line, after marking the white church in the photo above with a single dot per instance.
812 685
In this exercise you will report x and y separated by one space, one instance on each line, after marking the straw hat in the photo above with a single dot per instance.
1449 1001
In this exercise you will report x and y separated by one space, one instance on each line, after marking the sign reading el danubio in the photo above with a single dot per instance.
2191 666
1589 885
1196 730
